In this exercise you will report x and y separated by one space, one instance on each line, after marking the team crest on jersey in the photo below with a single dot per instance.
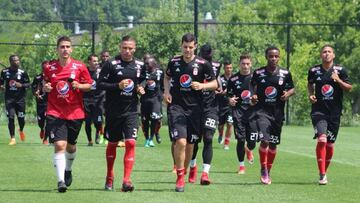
62 87
281 81
327 90
270 92
195 71
12 83
245 96
185 80
151 84
130 86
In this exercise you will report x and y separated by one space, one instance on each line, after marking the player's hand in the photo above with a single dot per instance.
167 98
37 95
233 100
254 99
335 76
197 85
2 87
285 96
47 87
140 90
312 99
18 85
75 85
124 83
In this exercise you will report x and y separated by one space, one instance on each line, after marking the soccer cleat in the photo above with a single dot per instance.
12 141
180 184
68 178
109 183
97 140
220 139
264 176
226 147
146 143
62 186
90 144
127 187
241 170
323 180
121 144
158 138
151 143
45 142
101 139
249 155
42 134
204 180
192 174
22 136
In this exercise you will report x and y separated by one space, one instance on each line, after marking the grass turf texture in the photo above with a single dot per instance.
27 173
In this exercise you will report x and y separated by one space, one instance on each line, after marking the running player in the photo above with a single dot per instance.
120 77
184 97
326 83
151 101
272 88
94 102
239 97
41 101
15 81
225 114
65 81
210 122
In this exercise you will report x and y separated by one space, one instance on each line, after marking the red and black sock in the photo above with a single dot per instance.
329 154
110 158
129 158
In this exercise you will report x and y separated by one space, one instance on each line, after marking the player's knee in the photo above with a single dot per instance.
130 143
208 140
322 138
330 144
251 145
264 144
272 146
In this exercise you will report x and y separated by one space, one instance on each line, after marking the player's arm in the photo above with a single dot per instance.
230 94
2 87
311 88
26 81
167 95
212 83
289 88
104 78
344 85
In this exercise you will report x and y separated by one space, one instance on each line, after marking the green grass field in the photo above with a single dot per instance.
27 174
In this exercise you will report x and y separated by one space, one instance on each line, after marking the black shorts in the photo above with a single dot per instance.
269 128
151 109
326 125
244 128
184 124
225 117
60 129
15 108
94 112
124 127
210 120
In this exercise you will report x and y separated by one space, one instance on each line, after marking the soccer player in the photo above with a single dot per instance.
225 114
186 73
151 104
15 81
326 83
65 81
120 77
272 88
210 122
41 101
94 102
104 56
239 97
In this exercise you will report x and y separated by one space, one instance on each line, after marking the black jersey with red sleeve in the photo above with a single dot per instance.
120 101
182 75
239 85
8 79
328 93
269 87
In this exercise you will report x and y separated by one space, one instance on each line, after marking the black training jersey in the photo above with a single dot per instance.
182 75
269 88
8 78
239 85
209 97
95 94
37 85
223 99
328 93
153 84
117 101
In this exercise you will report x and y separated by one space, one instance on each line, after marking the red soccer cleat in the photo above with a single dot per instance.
109 183
204 180
22 136
192 174
241 170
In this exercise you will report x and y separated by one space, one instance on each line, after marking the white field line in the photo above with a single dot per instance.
312 156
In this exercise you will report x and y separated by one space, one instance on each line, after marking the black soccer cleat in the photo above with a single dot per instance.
179 189
62 187
158 138
127 187
68 178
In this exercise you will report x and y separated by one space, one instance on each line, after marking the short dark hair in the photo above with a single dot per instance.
44 63
245 56
90 56
271 48
61 39
12 56
327 45
104 51
188 37
206 51
127 38
227 61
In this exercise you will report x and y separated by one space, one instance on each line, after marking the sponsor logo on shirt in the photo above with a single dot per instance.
270 94
12 85
151 84
63 88
327 91
130 86
185 80
245 96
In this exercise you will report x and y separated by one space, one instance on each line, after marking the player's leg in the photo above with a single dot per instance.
321 126
40 113
264 135
240 134
193 165
88 120
20 111
229 121
207 155
10 112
